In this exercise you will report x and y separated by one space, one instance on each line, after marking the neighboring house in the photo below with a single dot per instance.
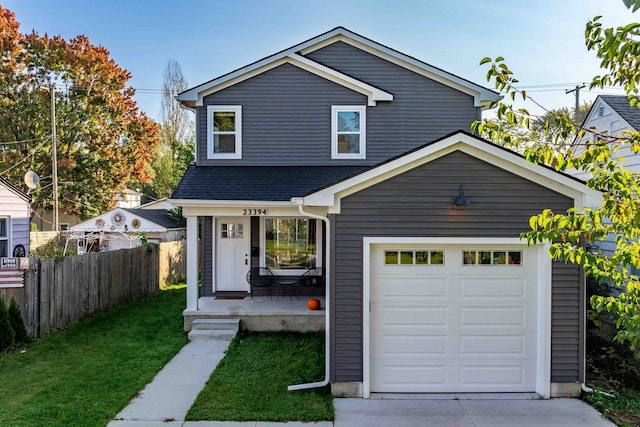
157 204
15 212
44 217
613 115
347 155
123 228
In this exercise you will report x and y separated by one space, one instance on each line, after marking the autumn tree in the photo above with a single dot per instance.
575 235
176 148
103 141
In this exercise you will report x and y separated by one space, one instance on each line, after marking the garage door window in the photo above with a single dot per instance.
492 258
418 257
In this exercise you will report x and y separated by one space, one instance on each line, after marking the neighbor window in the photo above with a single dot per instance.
290 244
4 236
224 129
348 134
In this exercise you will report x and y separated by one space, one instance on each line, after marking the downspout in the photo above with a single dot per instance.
327 265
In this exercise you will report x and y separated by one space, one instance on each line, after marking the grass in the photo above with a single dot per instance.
250 383
85 374
615 369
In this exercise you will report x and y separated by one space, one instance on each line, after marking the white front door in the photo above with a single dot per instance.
232 253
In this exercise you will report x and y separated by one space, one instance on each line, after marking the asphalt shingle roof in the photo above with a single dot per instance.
158 216
263 183
620 103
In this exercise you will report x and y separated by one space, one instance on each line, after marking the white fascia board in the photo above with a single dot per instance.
481 95
226 203
513 163
372 93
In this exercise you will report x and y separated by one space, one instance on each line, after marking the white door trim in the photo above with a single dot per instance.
543 357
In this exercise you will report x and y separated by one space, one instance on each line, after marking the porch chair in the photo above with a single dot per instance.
260 277
312 279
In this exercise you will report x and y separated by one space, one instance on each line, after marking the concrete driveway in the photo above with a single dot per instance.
476 412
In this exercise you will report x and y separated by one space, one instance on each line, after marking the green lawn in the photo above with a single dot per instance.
85 374
250 383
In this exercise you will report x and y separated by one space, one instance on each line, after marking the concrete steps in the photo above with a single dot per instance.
214 329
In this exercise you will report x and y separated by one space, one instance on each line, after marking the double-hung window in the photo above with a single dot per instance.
348 132
224 131
4 236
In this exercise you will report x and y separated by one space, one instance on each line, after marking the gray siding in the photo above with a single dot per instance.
286 111
286 118
418 203
207 256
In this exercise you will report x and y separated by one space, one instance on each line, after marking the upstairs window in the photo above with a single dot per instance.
348 134
224 132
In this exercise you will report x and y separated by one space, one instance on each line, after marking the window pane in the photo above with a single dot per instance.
515 258
348 121
422 257
499 258
224 121
4 247
485 257
437 258
348 144
469 257
224 143
3 227
290 243
406 257
391 257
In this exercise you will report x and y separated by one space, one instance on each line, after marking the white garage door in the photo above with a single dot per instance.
453 318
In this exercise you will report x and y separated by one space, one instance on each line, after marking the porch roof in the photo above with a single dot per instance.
272 183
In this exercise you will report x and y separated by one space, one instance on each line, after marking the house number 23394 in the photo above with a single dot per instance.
253 212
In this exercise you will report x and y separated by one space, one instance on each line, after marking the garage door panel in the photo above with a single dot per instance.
453 327
397 287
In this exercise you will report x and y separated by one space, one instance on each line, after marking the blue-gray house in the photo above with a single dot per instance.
343 154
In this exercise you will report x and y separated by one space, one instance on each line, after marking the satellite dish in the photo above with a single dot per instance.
32 180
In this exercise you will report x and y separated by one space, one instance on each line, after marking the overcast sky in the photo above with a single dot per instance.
542 40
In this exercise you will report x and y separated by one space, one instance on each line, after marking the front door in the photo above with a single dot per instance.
232 253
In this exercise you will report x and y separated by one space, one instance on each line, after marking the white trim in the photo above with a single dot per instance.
7 238
362 150
192 263
214 249
194 96
211 110
543 339
330 196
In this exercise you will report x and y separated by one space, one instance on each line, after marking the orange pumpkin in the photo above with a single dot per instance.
313 304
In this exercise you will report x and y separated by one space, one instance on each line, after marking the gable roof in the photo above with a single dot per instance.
157 216
620 104
295 56
15 190
256 183
565 184
158 220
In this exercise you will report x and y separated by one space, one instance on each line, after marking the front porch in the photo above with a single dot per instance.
262 314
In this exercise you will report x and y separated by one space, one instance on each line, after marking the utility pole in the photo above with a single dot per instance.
577 91
54 157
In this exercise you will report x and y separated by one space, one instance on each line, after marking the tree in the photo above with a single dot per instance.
103 140
7 334
176 149
619 214
17 323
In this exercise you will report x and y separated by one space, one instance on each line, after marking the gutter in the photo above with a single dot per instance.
327 265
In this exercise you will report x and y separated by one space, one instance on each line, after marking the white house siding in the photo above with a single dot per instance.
18 209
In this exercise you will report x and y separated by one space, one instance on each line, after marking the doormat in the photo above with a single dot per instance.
231 297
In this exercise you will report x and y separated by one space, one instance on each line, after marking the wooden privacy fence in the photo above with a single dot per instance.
59 292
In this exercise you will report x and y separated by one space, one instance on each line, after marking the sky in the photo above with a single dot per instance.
541 40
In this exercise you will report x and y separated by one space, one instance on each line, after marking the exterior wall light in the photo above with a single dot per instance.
461 201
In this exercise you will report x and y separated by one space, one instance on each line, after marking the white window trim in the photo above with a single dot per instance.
211 109
335 109
7 238
297 271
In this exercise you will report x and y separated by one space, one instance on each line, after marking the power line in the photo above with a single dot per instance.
22 141
26 157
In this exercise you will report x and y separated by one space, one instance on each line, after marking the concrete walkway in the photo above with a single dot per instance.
167 399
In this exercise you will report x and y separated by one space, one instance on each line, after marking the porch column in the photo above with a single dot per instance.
192 263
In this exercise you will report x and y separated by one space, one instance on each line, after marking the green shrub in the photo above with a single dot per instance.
7 334
17 323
